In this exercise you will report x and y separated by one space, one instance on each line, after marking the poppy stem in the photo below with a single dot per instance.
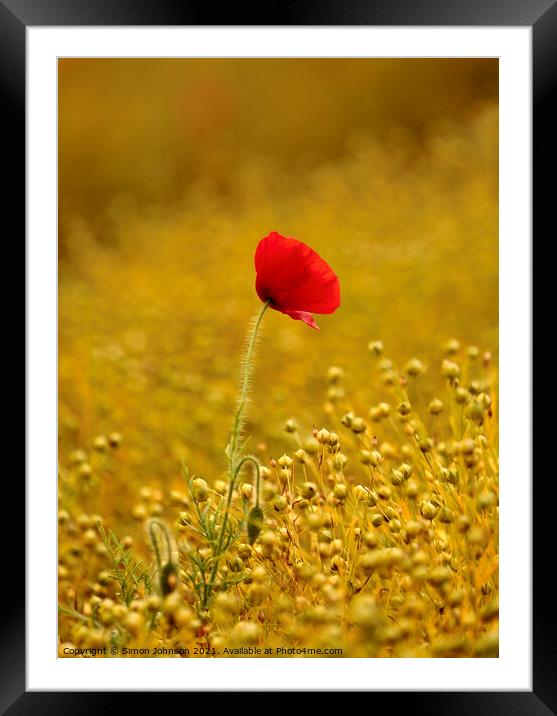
247 365
235 460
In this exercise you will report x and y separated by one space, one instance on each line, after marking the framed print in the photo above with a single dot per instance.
279 355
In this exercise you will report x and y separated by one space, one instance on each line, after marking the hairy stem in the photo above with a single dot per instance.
235 460
248 366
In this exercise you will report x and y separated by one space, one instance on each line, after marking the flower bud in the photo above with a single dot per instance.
255 524
139 512
200 489
435 407
446 515
334 374
396 478
474 412
467 446
358 425
340 491
333 440
168 578
115 439
323 436
347 419
425 444
308 490
452 346
428 510
85 471
285 461
280 503
339 461
450 369
77 457
414 367
375 347
291 426
220 486
246 490
100 443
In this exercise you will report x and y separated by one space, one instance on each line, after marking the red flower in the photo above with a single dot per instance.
295 279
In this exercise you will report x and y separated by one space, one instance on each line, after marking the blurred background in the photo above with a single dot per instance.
171 171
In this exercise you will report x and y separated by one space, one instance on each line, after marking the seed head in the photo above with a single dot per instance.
308 490
100 443
339 461
115 440
323 436
77 457
414 367
428 510
375 347
333 440
200 490
450 369
358 425
246 490
452 346
291 426
280 503
347 419
435 407
474 412
285 461
334 374
340 491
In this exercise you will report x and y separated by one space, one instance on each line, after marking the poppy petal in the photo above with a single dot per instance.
304 316
294 276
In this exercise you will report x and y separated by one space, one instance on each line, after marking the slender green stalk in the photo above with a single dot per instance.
235 460
247 366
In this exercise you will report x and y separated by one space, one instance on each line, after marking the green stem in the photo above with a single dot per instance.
217 554
248 369
232 450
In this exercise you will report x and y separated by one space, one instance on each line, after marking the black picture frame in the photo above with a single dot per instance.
541 16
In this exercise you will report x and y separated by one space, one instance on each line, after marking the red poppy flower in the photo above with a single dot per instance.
294 279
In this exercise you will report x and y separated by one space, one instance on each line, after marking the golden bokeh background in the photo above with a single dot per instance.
170 171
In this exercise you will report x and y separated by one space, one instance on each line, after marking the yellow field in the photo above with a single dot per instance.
378 436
